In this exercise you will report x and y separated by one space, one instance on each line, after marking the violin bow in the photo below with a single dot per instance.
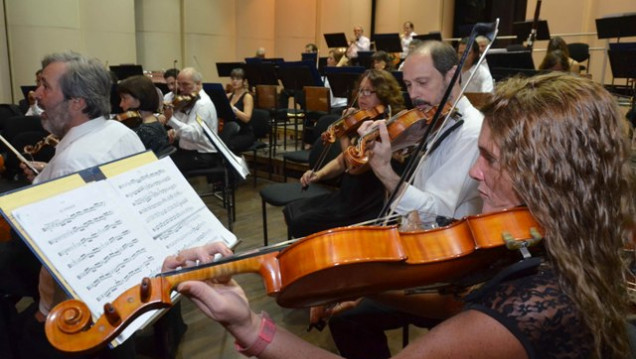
489 30
19 155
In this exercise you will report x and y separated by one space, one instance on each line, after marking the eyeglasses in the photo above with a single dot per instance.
365 92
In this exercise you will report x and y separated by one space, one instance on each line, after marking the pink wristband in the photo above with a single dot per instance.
265 336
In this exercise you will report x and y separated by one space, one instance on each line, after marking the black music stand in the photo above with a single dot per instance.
616 26
295 76
507 64
622 57
336 40
388 42
309 56
219 98
405 94
363 59
125 71
431 36
261 74
522 30
224 69
342 80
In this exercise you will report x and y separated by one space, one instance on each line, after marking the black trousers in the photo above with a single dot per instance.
359 332
186 160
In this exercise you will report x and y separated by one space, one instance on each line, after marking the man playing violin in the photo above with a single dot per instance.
578 185
195 151
441 188
75 97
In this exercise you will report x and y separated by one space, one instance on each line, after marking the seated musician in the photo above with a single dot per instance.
360 197
482 80
139 101
441 189
238 134
195 151
577 185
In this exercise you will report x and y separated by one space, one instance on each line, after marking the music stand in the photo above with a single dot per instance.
507 64
388 42
431 36
363 59
125 71
522 30
220 100
309 57
336 40
342 79
616 26
225 68
261 74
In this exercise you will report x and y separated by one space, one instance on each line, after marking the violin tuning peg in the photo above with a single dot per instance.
111 314
145 289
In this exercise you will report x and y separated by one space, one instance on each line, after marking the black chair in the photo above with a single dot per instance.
220 180
280 194
261 125
581 53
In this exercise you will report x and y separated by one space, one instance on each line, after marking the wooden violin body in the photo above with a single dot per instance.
332 265
132 119
405 129
50 140
349 123
184 102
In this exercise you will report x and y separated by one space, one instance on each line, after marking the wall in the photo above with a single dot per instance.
567 17
155 33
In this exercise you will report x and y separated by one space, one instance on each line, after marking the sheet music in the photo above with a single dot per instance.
238 163
104 237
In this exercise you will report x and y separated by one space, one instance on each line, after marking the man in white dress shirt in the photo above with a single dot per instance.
359 43
195 151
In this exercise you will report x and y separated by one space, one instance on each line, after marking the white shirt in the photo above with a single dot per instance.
361 44
34 110
167 98
87 145
442 186
188 130
482 80
406 41
335 101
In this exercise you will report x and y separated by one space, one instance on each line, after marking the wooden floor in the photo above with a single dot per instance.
207 339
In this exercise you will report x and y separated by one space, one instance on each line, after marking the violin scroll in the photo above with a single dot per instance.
183 102
68 326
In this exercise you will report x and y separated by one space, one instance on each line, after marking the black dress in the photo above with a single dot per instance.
237 135
154 136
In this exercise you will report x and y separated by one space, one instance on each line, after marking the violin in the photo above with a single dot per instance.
183 102
332 265
132 119
349 123
405 129
50 140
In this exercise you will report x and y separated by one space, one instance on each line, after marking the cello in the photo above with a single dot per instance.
328 266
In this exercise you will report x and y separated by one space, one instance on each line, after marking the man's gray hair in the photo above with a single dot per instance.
84 78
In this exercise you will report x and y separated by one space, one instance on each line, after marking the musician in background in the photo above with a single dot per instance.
195 151
441 189
482 80
358 43
237 133
75 97
557 43
171 81
532 151
139 101
381 60
360 197
406 36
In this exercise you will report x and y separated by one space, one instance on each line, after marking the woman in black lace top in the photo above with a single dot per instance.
555 143
138 93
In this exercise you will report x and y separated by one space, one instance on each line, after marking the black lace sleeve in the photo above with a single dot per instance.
539 314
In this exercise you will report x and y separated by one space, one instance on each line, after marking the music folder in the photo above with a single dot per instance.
224 69
100 231
522 30
388 42
616 26
336 40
